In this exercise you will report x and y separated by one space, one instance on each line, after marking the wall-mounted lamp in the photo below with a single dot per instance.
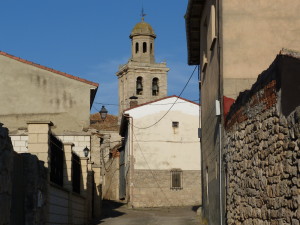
86 151
103 113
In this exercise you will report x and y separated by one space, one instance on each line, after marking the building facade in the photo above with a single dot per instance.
232 41
141 76
48 115
160 157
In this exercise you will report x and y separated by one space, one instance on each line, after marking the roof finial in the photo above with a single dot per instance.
142 13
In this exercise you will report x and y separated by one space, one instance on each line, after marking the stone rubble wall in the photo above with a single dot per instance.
262 160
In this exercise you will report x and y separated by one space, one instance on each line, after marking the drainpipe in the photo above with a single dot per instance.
218 113
220 171
130 136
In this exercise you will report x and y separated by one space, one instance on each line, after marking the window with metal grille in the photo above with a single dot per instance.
175 124
76 173
56 160
176 179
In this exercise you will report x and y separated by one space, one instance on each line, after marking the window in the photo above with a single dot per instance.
155 88
151 48
175 124
213 27
136 47
139 86
144 47
176 179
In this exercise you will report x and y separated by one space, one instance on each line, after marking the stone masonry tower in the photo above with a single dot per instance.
141 80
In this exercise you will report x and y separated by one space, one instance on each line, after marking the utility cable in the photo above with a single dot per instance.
136 140
111 104
172 104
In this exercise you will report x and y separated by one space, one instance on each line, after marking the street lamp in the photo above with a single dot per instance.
103 113
86 151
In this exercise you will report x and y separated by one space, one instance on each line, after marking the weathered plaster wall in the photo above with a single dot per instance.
39 94
253 32
211 89
158 149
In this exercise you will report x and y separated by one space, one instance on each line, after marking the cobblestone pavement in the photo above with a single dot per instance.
118 214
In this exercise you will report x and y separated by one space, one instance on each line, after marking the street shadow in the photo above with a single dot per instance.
109 210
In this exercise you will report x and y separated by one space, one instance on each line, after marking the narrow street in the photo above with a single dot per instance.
116 214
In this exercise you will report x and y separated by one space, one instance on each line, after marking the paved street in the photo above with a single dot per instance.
116 214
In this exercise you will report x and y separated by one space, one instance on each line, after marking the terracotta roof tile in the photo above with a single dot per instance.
109 124
48 69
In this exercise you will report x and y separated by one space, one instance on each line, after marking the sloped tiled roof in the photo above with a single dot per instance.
109 124
48 69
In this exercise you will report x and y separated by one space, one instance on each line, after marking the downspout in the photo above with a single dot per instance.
130 119
221 108
220 171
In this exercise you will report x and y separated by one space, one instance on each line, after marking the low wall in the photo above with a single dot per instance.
78 209
262 157
23 185
58 205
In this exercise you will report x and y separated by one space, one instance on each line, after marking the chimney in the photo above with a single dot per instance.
133 101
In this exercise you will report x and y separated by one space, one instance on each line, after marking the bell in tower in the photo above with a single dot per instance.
141 76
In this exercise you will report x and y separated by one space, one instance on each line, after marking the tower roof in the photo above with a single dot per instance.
142 28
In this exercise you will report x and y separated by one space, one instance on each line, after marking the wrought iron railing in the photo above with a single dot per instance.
76 173
56 160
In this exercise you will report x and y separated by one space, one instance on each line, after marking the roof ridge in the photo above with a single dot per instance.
163 98
48 69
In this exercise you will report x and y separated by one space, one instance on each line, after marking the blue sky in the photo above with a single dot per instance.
90 39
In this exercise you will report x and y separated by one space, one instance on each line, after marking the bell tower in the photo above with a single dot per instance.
142 43
141 78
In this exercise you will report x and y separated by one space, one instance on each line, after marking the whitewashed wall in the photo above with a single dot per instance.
80 142
161 147
20 143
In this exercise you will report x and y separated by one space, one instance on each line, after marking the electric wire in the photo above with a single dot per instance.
111 104
151 171
171 105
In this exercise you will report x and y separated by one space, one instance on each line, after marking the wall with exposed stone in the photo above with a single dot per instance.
152 188
262 157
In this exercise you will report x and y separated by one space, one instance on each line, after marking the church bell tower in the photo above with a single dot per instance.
141 79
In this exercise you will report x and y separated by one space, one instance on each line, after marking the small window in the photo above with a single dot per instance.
139 86
176 179
151 47
136 47
155 87
144 47
175 124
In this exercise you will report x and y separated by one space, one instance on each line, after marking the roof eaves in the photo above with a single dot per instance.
192 23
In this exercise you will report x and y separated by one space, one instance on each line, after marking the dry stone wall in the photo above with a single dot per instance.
262 157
